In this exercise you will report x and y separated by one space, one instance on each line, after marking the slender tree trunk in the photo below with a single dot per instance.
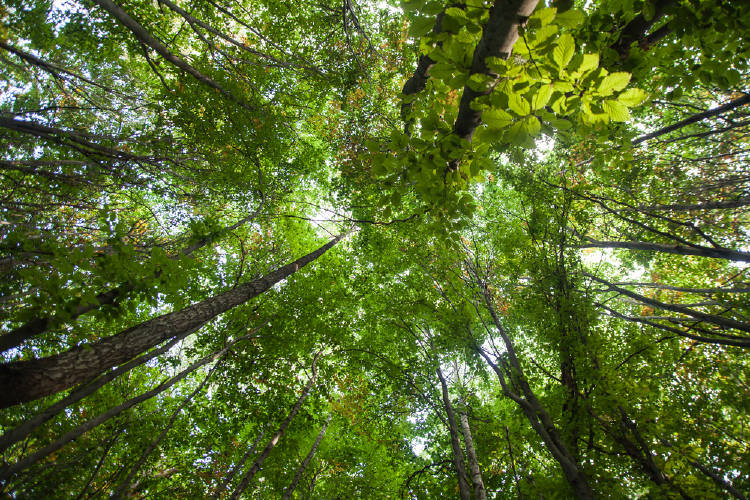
303 466
275 439
238 466
10 470
537 415
736 103
701 316
458 457
39 325
480 493
126 483
33 379
699 250
144 37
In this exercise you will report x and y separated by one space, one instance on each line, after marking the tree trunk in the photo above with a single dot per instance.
699 250
144 37
301 469
9 470
33 379
458 457
238 466
537 415
126 483
37 326
275 439
480 493
26 428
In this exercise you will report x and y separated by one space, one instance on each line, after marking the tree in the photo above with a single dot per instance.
535 276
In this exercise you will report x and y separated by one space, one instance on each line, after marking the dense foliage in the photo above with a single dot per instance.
350 249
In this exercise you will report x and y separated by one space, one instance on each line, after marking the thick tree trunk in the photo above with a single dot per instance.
10 470
480 493
39 325
15 435
303 466
458 457
499 35
275 439
29 380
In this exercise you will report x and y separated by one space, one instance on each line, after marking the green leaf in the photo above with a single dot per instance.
531 126
570 18
632 97
541 97
561 124
518 105
590 62
616 110
614 82
497 118
563 51
649 10
542 17
420 26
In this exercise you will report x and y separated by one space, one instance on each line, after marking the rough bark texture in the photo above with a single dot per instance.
18 433
37 326
498 38
303 466
33 379
458 457
480 493
275 439
9 470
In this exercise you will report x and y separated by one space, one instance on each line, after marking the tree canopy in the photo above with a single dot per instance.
375 249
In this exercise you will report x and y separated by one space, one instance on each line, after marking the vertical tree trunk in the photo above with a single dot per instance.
239 465
33 379
458 457
126 483
275 439
301 469
480 493
537 415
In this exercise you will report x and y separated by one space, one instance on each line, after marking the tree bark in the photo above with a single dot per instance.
537 415
144 37
698 250
275 439
480 493
10 470
701 316
39 325
18 433
303 466
33 379
458 457
498 38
